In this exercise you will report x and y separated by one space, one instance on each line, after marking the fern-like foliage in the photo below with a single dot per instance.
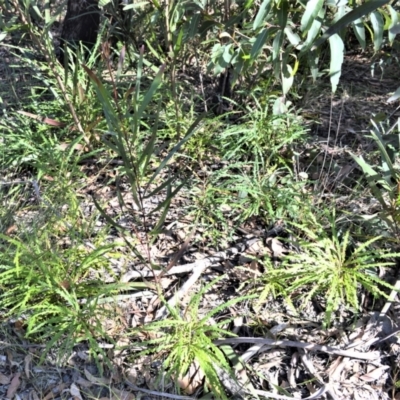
333 266
185 338
49 290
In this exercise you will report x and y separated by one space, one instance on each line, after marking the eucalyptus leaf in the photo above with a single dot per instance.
358 12
377 26
337 56
394 22
293 38
359 31
287 78
283 13
262 13
259 43
313 7
395 96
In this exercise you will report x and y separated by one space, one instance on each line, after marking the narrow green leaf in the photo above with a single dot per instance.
105 99
394 22
283 12
314 30
293 38
176 148
313 7
262 14
277 45
360 11
287 77
377 26
150 93
372 178
359 31
259 43
395 96
337 56
194 25
139 4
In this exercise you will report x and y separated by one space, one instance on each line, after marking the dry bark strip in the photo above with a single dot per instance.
198 268
207 262
373 355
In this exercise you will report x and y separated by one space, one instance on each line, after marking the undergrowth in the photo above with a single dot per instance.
216 173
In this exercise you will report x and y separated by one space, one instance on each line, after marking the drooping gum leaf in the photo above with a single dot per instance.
312 9
314 29
395 96
395 21
337 55
359 31
377 25
287 78
360 11
262 13
283 13
259 43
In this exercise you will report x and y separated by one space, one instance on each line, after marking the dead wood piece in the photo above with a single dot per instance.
81 24
373 355
210 261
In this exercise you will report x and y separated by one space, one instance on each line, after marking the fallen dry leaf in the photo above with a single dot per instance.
192 380
33 395
53 393
277 248
374 375
121 395
75 392
95 380
4 380
27 365
14 385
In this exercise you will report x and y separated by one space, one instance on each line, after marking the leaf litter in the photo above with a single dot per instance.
280 352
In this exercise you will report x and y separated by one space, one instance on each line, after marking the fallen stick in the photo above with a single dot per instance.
307 346
207 262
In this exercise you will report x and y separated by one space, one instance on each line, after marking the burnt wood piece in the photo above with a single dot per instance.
223 93
81 25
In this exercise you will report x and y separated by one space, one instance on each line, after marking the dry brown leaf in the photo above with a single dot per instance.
257 248
374 375
83 382
277 248
14 385
33 395
4 379
122 395
54 392
10 359
95 380
27 365
75 392
192 380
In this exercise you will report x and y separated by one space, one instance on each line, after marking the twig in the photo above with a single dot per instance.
155 393
210 261
307 346
316 395
198 268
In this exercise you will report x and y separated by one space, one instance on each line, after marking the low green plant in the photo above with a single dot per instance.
271 282
262 137
185 338
331 265
134 138
383 178
240 191
54 291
